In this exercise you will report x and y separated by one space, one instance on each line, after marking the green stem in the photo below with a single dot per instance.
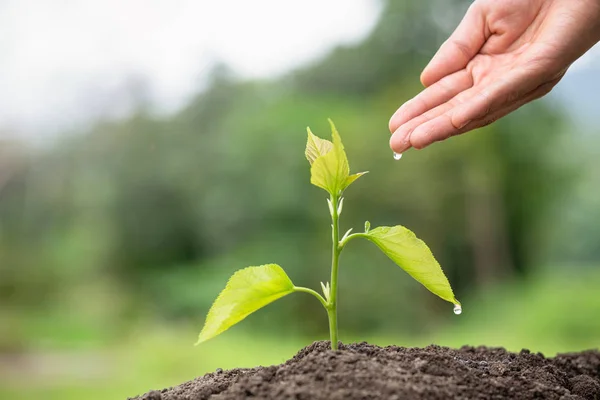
350 237
310 291
335 256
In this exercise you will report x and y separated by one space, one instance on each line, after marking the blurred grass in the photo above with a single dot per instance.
151 359
554 313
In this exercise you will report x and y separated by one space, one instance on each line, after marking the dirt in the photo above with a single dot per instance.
363 371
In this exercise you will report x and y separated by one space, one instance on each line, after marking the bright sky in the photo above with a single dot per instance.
63 62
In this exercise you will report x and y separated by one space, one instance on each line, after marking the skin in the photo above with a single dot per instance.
504 54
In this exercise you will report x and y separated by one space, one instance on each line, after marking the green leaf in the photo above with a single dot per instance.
248 290
329 163
354 177
316 147
412 255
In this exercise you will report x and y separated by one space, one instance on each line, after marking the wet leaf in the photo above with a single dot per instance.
412 255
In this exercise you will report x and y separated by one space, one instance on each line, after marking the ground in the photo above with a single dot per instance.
363 371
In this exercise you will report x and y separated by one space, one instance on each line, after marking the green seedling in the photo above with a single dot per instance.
252 288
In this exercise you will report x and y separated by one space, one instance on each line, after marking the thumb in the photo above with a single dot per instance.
459 49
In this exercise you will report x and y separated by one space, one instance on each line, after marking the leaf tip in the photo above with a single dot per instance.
201 339
334 132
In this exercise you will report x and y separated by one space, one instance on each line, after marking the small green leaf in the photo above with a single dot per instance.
413 256
367 226
346 235
326 290
329 163
248 290
354 177
316 147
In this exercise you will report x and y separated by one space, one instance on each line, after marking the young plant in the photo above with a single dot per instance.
252 288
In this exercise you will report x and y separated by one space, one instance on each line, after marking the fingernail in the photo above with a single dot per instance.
464 124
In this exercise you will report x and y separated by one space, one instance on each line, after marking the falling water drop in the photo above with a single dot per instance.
457 309
397 156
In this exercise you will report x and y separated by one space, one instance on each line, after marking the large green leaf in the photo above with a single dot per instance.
248 290
329 164
413 256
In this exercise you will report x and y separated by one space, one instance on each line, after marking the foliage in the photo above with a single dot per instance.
157 210
254 287
413 255
247 290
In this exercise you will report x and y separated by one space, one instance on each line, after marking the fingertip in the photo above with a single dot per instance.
437 129
423 77
392 125
439 67
479 106
420 139
426 77
399 142
460 48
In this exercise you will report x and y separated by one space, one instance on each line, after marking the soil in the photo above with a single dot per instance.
363 371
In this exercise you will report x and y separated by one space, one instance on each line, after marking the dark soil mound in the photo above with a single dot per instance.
362 371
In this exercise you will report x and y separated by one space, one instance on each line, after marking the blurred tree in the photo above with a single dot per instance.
174 205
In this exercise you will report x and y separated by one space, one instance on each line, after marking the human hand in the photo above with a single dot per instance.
503 55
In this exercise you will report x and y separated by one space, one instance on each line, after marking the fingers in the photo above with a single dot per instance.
431 97
488 98
459 49
442 127
401 138
474 104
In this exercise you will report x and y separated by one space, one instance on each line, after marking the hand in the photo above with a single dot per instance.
503 55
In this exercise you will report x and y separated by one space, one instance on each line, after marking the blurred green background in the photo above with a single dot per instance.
116 237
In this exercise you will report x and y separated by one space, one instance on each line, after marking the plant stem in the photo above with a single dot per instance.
335 255
352 236
310 291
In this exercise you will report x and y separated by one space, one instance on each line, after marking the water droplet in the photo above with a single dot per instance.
457 309
397 156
